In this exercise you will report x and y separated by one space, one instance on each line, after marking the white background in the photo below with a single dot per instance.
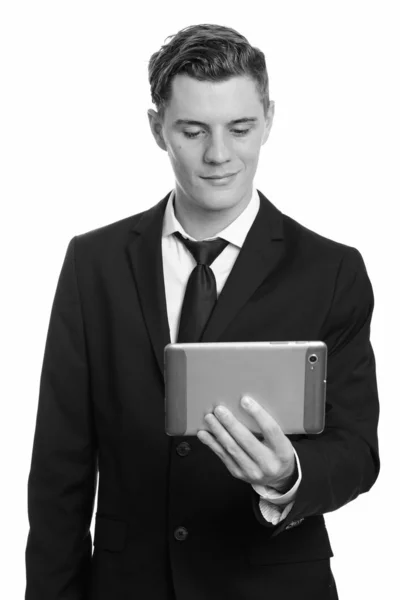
77 153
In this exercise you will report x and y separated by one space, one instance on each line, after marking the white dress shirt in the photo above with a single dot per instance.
178 263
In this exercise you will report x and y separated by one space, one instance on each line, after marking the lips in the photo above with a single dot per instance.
220 176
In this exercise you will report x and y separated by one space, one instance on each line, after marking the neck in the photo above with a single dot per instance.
201 223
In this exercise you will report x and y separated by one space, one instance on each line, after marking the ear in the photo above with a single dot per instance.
268 121
156 128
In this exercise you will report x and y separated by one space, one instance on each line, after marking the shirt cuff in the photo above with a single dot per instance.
274 514
274 497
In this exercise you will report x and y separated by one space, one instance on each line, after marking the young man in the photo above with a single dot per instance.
222 514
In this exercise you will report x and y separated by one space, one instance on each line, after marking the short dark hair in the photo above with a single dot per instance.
206 52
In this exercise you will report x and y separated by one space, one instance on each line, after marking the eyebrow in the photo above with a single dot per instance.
200 123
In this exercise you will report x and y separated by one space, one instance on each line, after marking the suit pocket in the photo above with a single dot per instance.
110 534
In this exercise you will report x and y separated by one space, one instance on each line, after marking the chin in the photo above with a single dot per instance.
220 203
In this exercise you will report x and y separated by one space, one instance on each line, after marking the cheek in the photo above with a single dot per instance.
249 153
184 158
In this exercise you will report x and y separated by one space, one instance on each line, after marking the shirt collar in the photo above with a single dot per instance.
235 233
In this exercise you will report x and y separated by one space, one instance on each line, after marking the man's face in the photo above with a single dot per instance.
213 145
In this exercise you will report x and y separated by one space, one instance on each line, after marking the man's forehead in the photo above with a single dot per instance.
183 83
232 101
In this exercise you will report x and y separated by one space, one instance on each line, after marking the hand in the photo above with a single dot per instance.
270 461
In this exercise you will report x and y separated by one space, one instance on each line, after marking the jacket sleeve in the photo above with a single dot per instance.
343 461
63 473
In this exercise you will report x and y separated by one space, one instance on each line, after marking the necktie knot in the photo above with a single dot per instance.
204 252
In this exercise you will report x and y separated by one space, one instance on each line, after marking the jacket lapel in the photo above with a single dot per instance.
260 255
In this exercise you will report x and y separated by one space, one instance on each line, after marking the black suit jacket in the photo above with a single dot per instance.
170 502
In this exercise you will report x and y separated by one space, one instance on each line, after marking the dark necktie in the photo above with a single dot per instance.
201 290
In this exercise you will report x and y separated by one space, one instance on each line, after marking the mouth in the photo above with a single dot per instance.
220 177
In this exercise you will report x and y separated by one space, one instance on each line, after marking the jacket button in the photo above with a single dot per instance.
183 448
181 534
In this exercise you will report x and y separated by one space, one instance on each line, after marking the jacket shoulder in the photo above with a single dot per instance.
315 246
110 231
108 239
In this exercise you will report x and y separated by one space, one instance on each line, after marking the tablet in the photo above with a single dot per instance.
287 378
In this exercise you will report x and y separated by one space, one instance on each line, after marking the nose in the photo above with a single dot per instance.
218 149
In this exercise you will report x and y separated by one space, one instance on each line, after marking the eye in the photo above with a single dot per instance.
241 131
190 135
238 132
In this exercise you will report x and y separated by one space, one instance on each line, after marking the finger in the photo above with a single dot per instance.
271 430
208 439
230 445
253 448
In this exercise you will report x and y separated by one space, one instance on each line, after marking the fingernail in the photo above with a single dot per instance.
247 402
